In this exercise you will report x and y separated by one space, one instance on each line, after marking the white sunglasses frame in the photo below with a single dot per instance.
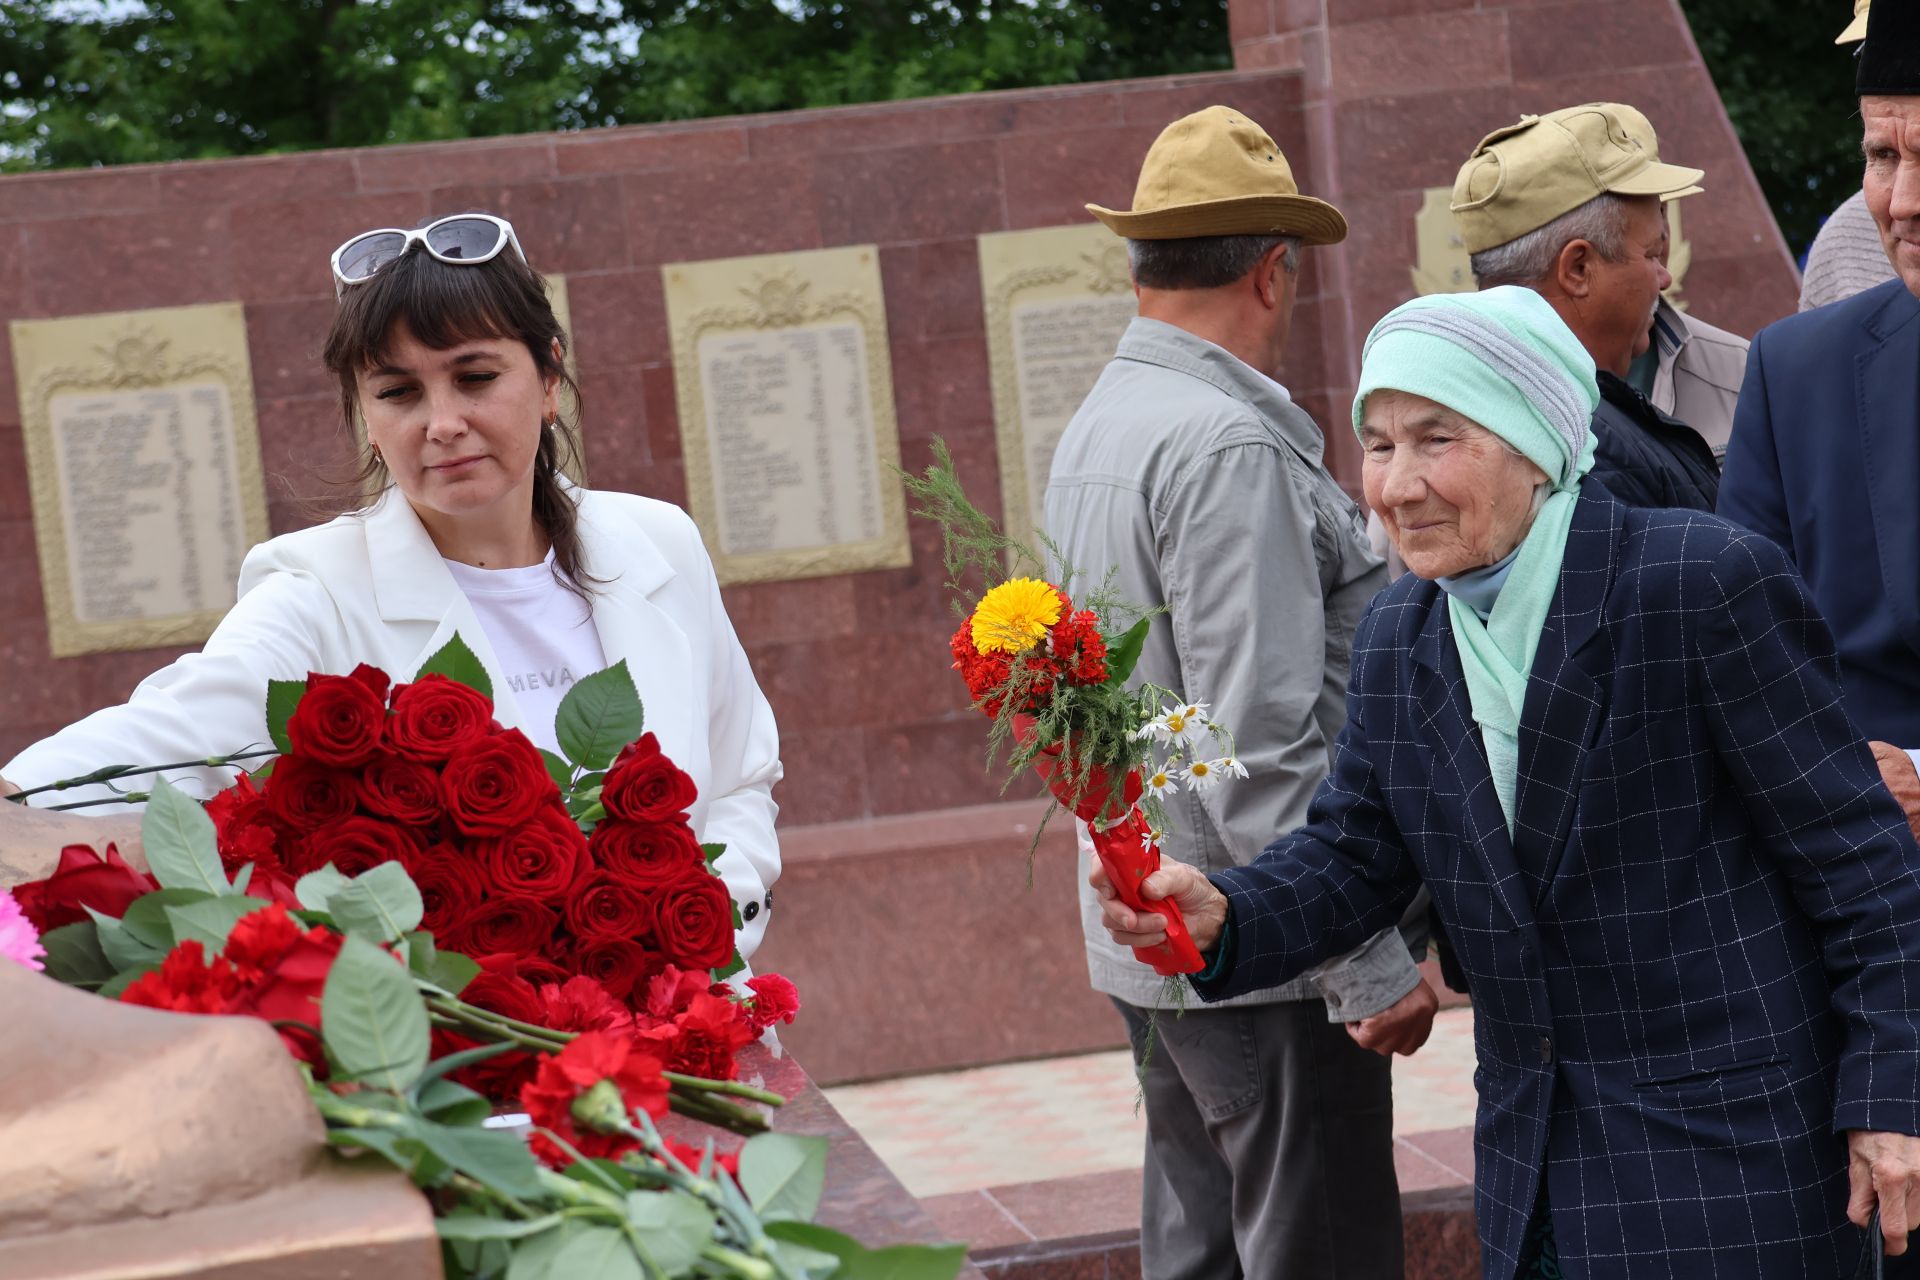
418 235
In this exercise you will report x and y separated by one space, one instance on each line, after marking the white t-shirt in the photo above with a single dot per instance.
541 633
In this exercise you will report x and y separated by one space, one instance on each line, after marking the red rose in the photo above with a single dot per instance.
338 719
305 794
402 789
648 854
618 964
450 890
353 845
516 926
774 1000
583 1004
433 717
644 786
542 970
493 784
82 879
609 907
598 1055
693 920
500 987
541 858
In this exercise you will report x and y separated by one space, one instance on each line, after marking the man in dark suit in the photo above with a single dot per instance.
1825 455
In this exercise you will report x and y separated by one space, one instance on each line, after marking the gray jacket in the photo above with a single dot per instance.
1197 480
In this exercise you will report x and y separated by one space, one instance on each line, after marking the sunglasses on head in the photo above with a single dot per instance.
461 239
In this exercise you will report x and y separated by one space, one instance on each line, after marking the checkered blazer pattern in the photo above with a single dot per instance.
1696 961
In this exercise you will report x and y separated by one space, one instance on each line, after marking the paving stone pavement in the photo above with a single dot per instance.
1066 1117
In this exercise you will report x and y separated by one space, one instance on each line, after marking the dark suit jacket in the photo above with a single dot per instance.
1697 960
1825 460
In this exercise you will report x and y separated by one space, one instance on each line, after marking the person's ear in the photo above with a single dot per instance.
1574 267
1268 276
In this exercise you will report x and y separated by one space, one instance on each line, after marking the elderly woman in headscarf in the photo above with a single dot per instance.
1611 743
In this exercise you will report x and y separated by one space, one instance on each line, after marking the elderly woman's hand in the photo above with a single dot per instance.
1204 906
1884 1169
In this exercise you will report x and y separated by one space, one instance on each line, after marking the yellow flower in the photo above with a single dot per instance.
1015 615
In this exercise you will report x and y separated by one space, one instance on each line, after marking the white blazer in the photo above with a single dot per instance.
371 587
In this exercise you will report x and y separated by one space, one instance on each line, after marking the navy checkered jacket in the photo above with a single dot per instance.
1696 961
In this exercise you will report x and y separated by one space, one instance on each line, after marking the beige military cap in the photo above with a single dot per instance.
1217 173
1524 176
1857 29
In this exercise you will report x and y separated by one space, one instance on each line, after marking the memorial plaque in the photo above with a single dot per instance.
785 394
1057 301
144 467
1445 266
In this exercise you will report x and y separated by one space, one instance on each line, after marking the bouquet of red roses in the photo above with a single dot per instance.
1053 677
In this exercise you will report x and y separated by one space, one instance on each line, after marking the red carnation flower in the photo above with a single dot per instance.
582 1004
774 1000
185 982
572 1074
647 854
433 717
704 1038
644 786
1077 643
339 718
672 989
543 858
492 785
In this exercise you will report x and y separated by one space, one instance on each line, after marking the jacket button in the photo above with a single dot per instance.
751 910
1546 1050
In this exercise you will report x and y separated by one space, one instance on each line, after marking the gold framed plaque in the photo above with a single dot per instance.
785 391
143 462
1057 300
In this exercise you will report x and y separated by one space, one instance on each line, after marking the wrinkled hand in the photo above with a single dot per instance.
1204 906
1884 1169
1401 1028
1897 771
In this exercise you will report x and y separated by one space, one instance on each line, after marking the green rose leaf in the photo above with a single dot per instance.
713 852
672 1225
440 1067
421 952
1123 655
385 1142
122 950
74 955
499 1159
600 1252
599 715
857 1262
314 888
113 986
598 1172
146 916
783 1173
455 1104
211 921
381 904
534 1258
733 966
373 1020
558 769
241 879
457 662
282 697
451 972
468 1226
179 841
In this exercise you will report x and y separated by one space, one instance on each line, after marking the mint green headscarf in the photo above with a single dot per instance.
1503 359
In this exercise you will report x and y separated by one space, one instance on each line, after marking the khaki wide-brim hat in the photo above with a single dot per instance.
1857 29
1524 176
1216 173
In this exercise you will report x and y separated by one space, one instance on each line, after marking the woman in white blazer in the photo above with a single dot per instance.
447 348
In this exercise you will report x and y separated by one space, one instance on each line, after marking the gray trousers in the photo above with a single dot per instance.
1269 1147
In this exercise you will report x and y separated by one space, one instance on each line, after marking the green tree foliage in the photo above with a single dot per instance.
1789 91
86 82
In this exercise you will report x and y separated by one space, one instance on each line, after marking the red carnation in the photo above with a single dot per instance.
618 964
433 717
703 1039
693 921
353 845
568 1076
305 794
672 989
774 1000
647 854
283 969
644 786
402 789
543 858
243 825
609 907
339 718
82 879
1077 642
583 1004
185 982
491 785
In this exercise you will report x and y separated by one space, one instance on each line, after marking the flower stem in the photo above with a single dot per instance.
732 1088
113 771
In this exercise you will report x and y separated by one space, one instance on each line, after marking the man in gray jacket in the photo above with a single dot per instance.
1192 475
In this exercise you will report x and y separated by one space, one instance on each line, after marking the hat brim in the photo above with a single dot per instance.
1856 31
1314 221
1667 197
1659 180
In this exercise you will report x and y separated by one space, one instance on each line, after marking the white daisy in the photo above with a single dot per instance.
1202 776
1160 783
1151 838
1230 766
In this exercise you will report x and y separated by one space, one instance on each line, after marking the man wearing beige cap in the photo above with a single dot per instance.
1568 204
1193 476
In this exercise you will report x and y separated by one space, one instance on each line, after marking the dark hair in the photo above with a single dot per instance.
1204 262
444 305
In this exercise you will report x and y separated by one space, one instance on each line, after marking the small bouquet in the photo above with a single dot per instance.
1053 678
